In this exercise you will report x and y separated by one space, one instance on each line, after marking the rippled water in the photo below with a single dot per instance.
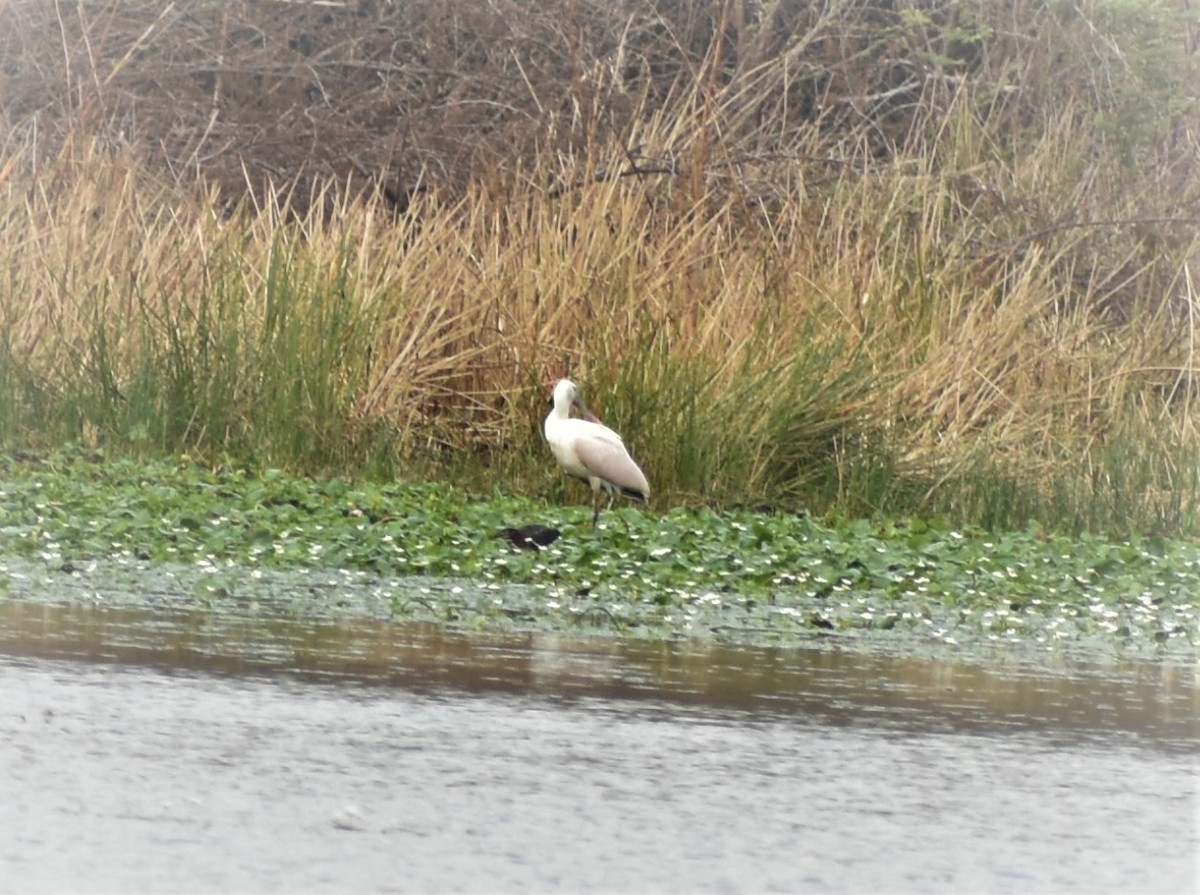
158 749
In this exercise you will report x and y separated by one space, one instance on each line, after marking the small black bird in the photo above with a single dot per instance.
530 537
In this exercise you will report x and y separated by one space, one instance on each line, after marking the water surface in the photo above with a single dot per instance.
160 749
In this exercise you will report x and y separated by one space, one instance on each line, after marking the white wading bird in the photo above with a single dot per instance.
589 450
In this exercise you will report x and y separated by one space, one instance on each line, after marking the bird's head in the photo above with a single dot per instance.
567 395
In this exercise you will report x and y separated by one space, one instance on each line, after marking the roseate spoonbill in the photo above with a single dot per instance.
589 450
530 537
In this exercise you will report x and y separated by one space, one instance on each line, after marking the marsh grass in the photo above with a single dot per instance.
996 320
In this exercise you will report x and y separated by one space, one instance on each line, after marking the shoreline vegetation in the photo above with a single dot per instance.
868 262
80 527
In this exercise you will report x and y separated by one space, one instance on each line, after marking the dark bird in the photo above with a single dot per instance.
530 537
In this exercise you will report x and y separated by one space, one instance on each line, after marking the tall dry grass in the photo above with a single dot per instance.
994 319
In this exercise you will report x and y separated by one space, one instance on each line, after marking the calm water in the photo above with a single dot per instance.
170 750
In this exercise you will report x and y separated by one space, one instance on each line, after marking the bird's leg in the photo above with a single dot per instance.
595 507
621 516
612 498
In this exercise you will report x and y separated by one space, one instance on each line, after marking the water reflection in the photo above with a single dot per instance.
841 686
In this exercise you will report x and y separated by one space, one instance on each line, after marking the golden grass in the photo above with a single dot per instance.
457 315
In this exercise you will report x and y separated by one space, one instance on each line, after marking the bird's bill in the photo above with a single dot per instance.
584 412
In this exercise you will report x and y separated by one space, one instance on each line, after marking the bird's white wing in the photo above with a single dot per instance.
604 455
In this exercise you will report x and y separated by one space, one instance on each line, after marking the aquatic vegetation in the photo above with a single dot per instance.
430 551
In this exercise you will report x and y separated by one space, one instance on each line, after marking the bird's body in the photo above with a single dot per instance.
530 537
589 450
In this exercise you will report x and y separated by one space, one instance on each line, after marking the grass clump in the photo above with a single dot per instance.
959 282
